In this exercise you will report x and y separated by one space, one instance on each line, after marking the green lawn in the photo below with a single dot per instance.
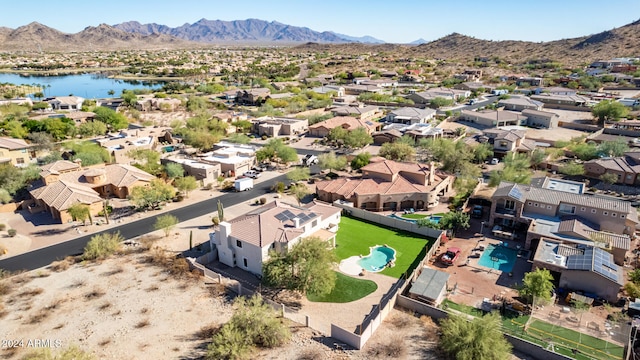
355 237
347 289
419 216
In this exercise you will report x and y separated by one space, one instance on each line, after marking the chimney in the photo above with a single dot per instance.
296 222
432 173
225 231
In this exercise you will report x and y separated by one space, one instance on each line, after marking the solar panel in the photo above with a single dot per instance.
603 265
281 217
515 193
288 214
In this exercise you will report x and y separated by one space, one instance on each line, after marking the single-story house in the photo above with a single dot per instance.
323 128
410 115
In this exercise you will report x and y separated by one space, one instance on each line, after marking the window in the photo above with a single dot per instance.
567 209
593 211
314 223
239 243
509 204
504 144
535 205
621 216
614 214
583 209
529 203
549 207
245 262
605 213
20 160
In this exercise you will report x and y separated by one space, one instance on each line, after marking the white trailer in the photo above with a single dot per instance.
243 184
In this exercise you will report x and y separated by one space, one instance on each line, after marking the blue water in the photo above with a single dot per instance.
88 86
498 257
378 259
433 218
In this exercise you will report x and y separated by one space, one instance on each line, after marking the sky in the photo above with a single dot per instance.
396 21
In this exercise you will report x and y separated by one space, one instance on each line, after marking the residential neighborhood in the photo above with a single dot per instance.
352 197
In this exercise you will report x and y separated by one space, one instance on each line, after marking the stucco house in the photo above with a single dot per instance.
541 119
280 126
233 159
254 96
323 128
493 118
425 97
68 103
121 143
245 242
411 115
358 111
505 141
626 168
388 185
580 267
558 209
519 103
16 152
64 183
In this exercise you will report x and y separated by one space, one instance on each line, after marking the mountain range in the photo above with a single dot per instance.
622 41
250 30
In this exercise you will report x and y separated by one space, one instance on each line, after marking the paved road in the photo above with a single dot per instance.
42 257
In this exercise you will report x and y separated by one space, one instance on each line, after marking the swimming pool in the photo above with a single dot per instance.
433 218
498 257
379 257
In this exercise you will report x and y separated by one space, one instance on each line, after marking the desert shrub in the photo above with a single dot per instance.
102 245
142 324
38 317
263 200
5 287
94 294
3 312
12 232
61 265
310 354
3 227
31 292
215 220
393 348
207 332
401 321
254 323
70 353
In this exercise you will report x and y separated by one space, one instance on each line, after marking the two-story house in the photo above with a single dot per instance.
626 168
16 152
245 242
509 141
68 103
254 96
388 185
559 209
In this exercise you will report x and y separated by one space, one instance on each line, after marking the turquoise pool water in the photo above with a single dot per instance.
379 257
433 218
498 257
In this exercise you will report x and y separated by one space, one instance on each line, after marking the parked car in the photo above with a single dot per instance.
450 256
309 160
495 161
477 211
252 174
259 167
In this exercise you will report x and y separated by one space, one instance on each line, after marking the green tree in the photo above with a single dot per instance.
102 245
80 212
509 174
92 128
307 267
166 223
482 152
243 126
89 153
69 353
299 174
174 170
196 103
276 150
538 156
12 179
439 102
147 160
253 323
299 191
480 338
572 169
5 197
613 148
609 178
609 110
360 160
331 161
114 120
239 138
537 285
454 220
357 138
186 184
397 151
151 196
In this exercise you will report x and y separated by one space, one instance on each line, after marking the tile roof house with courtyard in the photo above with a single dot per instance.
245 241
358 111
64 183
280 126
254 96
558 209
144 138
505 141
388 185
411 115
16 152
234 159
348 123
581 267
626 168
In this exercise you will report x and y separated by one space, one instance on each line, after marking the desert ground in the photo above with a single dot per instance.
133 306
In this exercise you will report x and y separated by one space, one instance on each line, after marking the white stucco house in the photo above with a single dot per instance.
245 241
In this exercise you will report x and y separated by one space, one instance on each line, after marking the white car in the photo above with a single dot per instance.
494 161
252 174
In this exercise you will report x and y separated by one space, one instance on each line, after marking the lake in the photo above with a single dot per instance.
88 86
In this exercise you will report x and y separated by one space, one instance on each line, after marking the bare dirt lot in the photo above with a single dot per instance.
127 308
